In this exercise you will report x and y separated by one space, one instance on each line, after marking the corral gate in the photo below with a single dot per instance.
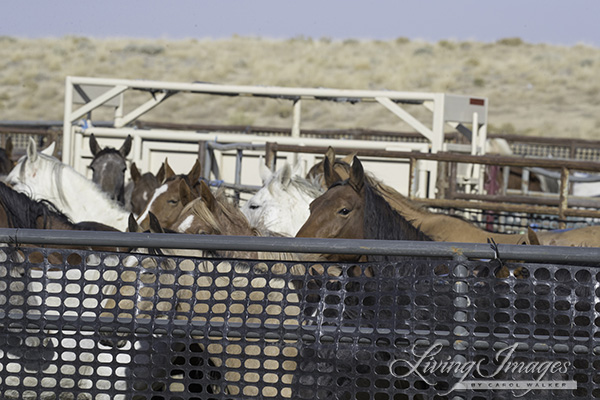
466 114
76 324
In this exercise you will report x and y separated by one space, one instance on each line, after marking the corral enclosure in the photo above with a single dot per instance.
80 324
84 96
91 325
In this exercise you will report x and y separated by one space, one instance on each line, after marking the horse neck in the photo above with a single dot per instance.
79 197
233 221
405 207
382 221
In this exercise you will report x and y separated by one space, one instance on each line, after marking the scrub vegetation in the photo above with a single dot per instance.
536 90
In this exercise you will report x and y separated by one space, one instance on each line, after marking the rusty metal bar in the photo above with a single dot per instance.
520 208
564 195
411 176
271 155
512 161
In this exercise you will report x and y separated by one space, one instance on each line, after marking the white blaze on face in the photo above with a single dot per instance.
157 193
186 224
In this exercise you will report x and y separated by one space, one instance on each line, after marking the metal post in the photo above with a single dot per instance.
564 193
67 127
271 155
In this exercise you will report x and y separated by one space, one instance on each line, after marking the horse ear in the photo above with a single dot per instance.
330 154
160 175
94 146
194 173
285 175
49 151
329 174
134 172
8 148
297 169
357 174
168 171
155 224
126 148
532 237
132 225
32 150
185 193
265 172
349 158
208 197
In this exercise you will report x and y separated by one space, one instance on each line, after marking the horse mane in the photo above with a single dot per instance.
23 212
233 220
382 222
401 201
108 150
311 187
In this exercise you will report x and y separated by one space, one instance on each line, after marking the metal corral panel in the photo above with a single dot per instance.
77 324
447 111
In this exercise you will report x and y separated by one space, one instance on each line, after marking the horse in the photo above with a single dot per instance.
439 227
142 188
352 209
41 176
6 162
587 236
173 193
282 204
17 210
212 214
109 166
317 172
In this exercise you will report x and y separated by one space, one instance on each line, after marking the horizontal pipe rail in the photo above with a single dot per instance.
488 159
553 254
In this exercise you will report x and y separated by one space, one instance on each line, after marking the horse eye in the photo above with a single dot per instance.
254 206
344 211
173 201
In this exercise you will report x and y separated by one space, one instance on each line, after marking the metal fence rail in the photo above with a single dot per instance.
78 324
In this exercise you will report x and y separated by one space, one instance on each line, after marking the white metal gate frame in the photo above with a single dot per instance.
84 95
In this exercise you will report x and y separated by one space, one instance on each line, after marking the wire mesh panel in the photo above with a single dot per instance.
88 325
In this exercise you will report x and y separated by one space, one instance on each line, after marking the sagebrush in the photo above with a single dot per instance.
540 90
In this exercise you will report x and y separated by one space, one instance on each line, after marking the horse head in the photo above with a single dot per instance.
340 211
171 196
33 169
317 173
144 186
282 204
212 214
109 166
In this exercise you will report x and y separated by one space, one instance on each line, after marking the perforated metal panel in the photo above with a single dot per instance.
82 325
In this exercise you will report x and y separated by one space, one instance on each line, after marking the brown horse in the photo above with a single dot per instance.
143 187
214 214
352 209
173 193
588 236
439 227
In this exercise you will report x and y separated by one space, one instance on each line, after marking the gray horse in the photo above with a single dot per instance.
109 166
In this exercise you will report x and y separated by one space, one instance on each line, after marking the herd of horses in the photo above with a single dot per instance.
336 199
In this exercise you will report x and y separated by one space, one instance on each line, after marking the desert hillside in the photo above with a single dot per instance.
539 90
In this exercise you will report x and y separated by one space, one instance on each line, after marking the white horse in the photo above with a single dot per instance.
282 204
43 177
